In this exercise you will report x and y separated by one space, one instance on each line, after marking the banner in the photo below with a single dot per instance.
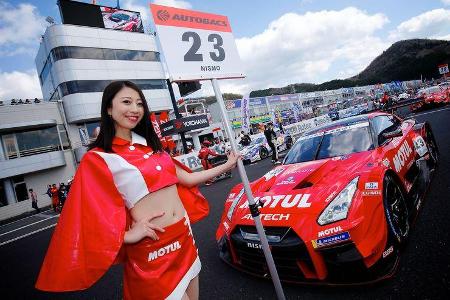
184 124
245 113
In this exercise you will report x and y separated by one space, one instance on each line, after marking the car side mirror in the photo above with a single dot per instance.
393 134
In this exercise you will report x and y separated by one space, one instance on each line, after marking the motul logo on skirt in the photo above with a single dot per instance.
164 250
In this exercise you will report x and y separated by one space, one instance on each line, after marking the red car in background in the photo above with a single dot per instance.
432 96
339 207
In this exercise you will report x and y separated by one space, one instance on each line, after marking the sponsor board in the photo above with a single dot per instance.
331 240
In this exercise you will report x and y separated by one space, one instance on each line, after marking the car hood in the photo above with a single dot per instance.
304 188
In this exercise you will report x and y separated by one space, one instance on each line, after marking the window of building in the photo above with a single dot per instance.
63 135
91 128
20 188
3 200
37 141
10 146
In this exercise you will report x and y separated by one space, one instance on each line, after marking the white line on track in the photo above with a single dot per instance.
430 112
24 218
30 224
25 235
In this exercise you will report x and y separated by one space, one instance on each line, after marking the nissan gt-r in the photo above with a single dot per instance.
339 208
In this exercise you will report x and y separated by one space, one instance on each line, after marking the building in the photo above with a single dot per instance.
42 143
75 64
34 152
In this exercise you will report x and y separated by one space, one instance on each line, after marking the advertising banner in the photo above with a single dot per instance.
196 45
245 114
85 14
184 124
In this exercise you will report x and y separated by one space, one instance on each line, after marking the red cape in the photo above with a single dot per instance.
91 228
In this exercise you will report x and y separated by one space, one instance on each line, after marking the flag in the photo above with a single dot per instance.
245 113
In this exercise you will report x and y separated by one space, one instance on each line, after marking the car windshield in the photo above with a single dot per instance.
123 17
339 141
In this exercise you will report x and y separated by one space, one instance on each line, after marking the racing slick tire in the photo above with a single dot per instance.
396 210
263 153
432 146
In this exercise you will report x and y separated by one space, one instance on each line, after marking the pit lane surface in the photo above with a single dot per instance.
423 272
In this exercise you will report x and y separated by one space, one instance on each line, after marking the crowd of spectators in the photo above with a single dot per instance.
20 101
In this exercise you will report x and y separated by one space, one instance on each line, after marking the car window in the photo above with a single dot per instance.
383 124
304 150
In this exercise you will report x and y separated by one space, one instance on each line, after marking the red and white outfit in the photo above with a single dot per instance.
89 236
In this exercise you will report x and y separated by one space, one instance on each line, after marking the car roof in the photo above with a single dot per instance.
344 122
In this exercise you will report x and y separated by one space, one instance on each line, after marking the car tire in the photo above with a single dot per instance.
432 146
263 153
396 210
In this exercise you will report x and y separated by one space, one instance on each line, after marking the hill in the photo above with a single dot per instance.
403 60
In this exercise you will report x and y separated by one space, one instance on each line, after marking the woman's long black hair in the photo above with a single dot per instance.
107 130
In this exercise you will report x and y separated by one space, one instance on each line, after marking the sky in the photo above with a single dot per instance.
279 42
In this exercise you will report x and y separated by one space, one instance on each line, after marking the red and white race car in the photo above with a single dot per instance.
432 96
340 205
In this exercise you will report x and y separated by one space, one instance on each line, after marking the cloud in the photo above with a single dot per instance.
446 2
174 3
311 47
19 85
20 25
431 24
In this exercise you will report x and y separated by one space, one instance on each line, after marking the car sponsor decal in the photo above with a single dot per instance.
269 217
388 251
420 145
371 193
254 245
289 180
329 231
226 226
371 185
331 196
386 163
273 173
285 201
403 153
331 240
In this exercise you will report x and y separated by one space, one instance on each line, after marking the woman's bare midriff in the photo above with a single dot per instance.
164 200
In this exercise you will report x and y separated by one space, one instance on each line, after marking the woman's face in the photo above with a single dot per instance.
126 109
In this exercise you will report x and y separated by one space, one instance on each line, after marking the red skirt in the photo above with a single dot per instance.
161 269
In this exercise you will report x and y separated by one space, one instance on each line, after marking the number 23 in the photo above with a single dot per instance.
192 54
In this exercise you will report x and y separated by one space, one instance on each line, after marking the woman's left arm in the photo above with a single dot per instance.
195 178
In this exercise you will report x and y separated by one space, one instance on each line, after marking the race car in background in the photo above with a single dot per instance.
123 20
339 207
432 96
259 148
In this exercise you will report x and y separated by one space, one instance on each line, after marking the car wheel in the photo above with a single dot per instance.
432 146
396 209
263 153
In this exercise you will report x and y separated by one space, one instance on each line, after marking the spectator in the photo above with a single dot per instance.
13 102
36 100
219 147
204 154
34 200
62 194
27 101
20 101
271 138
1 103
55 200
245 139
49 191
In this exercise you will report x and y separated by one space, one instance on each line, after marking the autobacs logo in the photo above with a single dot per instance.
163 15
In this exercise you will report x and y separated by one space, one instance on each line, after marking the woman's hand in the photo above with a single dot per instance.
233 157
143 228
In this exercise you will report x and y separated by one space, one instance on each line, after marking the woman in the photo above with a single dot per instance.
34 200
55 200
129 196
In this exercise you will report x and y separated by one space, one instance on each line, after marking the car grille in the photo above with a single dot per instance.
288 250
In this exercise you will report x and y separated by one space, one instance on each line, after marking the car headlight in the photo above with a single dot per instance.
338 208
233 205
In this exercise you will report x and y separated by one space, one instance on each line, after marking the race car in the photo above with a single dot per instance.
259 148
123 20
339 207
432 96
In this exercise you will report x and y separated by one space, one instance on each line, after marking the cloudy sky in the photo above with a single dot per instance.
279 42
